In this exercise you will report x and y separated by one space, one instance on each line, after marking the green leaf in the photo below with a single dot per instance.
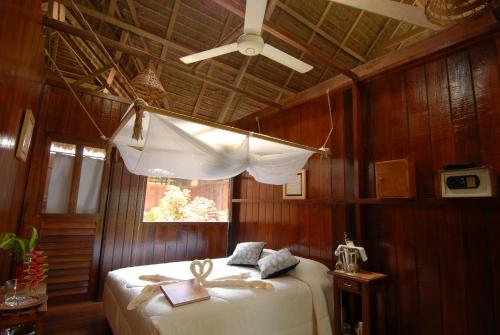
33 240
23 245
7 241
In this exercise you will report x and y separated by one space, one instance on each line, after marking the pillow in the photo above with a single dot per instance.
277 264
247 253
267 252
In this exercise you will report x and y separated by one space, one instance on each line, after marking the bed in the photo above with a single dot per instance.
299 304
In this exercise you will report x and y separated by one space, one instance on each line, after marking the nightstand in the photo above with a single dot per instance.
367 285
23 316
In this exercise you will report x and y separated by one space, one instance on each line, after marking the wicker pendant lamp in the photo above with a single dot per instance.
449 12
148 86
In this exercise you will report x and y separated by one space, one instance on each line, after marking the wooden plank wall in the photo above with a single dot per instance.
71 241
74 242
20 88
130 242
443 257
310 227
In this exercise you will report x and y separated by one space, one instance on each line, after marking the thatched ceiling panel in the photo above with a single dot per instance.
346 59
339 21
156 15
234 59
209 9
221 74
366 32
322 44
201 24
311 10
269 70
215 94
257 88
290 24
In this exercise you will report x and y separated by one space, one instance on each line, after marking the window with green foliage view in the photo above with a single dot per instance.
180 200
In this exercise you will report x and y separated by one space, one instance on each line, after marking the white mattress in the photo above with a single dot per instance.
300 303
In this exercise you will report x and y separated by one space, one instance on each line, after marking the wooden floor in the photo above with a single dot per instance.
83 318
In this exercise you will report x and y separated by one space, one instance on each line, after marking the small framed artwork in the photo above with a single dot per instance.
296 187
23 145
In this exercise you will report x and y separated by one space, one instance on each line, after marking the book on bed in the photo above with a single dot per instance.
184 292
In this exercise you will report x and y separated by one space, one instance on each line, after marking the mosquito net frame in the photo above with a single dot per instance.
159 142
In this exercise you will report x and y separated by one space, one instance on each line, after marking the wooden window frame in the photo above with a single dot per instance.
77 169
229 208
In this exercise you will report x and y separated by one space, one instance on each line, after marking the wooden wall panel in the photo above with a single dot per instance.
308 227
20 88
442 256
118 238
128 241
445 110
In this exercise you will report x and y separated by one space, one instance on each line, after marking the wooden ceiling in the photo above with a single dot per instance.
229 87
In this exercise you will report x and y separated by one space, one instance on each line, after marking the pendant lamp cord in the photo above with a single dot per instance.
331 120
258 124
104 137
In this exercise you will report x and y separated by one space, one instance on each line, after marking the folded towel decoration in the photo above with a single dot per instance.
200 270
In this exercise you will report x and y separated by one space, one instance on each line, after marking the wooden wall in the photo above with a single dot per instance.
20 88
310 227
130 242
83 248
443 257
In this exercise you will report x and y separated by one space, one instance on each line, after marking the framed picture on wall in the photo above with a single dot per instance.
24 143
296 187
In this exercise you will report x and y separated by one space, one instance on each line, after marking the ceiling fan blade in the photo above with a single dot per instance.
254 16
285 59
222 50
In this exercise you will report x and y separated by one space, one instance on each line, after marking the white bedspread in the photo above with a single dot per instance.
300 303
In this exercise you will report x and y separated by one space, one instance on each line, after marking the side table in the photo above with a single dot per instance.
364 284
32 314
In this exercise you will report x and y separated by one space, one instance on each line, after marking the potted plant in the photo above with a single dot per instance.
20 248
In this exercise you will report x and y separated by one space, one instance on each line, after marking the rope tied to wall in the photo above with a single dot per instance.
326 150
101 134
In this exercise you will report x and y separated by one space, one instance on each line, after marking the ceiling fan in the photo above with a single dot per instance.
251 43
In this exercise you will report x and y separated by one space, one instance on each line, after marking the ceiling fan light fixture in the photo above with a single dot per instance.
250 45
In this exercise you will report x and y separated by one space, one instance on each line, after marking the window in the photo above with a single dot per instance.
73 182
179 200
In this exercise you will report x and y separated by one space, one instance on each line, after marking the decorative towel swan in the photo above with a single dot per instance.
200 270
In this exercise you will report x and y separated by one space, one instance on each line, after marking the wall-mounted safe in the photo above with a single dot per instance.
470 182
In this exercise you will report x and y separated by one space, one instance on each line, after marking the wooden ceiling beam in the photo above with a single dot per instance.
174 45
309 41
168 34
277 32
237 82
210 68
117 56
381 33
92 75
400 38
450 39
316 28
197 75
135 18
112 7
82 57
96 55
394 10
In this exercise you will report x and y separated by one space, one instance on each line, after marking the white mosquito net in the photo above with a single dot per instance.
177 148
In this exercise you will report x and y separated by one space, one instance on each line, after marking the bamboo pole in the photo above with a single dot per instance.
157 110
